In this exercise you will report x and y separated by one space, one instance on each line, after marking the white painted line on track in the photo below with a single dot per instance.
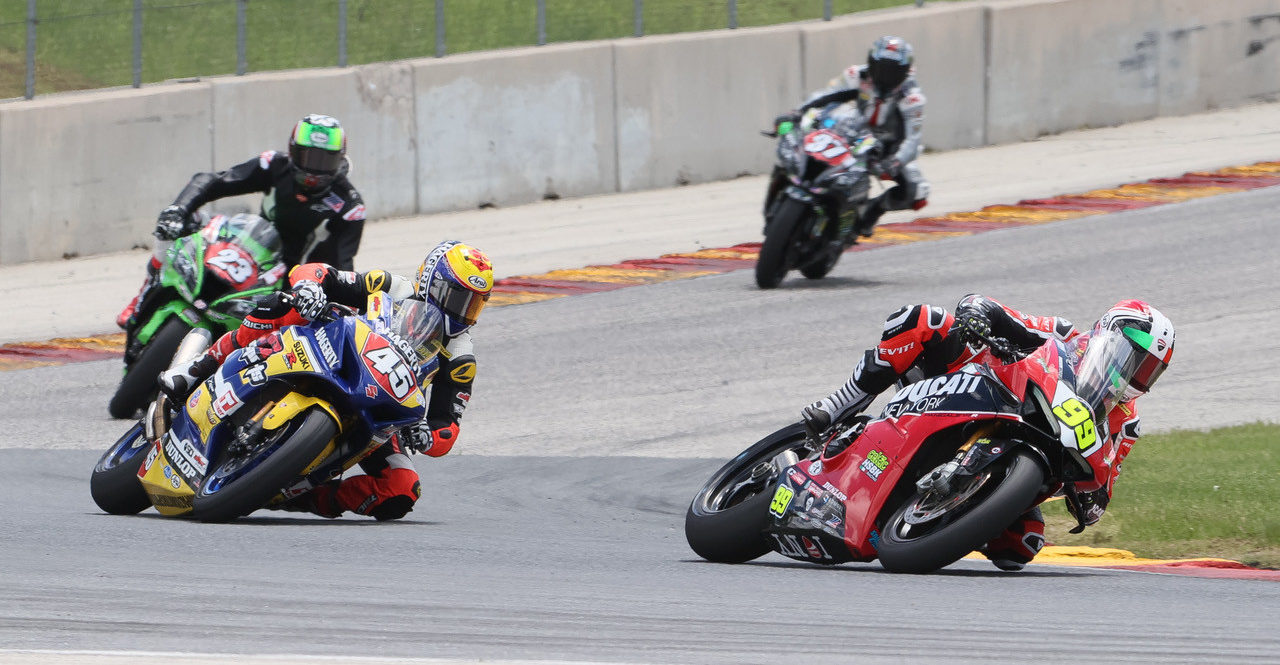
90 657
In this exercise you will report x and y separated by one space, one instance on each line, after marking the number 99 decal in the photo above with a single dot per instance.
781 499
1074 414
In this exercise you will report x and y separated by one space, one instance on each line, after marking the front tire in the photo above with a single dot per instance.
928 546
773 261
820 269
114 483
139 383
726 521
228 492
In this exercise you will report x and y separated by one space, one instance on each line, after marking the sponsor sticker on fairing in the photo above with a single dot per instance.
326 348
875 464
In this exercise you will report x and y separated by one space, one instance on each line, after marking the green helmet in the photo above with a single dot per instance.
318 148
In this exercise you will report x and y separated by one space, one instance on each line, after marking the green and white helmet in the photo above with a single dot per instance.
318 148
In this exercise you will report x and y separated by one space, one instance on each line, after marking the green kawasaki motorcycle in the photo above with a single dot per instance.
210 279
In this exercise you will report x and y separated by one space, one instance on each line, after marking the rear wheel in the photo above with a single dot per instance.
243 482
139 383
932 530
776 254
114 483
726 521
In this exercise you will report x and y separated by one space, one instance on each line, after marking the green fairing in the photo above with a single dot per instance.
193 246
163 313
231 322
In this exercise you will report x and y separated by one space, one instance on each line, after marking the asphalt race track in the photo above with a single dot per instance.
556 530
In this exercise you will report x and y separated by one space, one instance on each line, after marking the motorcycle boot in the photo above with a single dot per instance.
178 382
125 318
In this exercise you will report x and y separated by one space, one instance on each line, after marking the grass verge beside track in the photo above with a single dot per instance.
1189 494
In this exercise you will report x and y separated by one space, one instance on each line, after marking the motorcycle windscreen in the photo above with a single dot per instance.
244 251
1106 363
421 326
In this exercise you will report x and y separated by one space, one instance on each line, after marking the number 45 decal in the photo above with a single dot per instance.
391 371
1073 413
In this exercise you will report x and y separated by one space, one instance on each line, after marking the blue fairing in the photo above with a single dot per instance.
341 377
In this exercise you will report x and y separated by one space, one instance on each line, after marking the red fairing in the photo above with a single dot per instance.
869 469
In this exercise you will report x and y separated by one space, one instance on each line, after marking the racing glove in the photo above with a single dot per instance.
309 299
172 223
1088 507
428 438
972 325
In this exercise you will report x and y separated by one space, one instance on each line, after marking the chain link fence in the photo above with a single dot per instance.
56 45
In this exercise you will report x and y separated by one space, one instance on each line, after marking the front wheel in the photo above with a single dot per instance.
139 383
819 269
775 256
727 518
242 483
930 531
114 483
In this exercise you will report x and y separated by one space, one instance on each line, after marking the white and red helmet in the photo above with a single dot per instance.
1148 331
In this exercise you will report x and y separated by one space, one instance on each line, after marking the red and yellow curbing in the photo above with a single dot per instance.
1106 557
594 279
60 351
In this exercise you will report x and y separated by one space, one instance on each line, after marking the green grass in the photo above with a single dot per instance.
1191 494
88 43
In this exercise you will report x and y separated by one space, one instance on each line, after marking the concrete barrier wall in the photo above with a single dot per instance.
1064 64
690 107
87 172
1209 61
949 42
374 103
514 126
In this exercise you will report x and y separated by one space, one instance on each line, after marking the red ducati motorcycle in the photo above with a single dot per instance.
948 464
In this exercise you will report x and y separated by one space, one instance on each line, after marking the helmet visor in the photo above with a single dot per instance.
316 160
458 301
887 74
1110 365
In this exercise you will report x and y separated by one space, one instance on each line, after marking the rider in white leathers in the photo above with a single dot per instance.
888 96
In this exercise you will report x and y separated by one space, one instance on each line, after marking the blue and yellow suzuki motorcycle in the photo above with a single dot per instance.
210 279
281 416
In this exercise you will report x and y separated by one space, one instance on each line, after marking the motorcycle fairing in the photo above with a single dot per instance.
867 471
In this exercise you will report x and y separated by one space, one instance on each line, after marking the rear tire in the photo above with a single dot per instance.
114 483
726 527
139 383
304 439
991 512
772 262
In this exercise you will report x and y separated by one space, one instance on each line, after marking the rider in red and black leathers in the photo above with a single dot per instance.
390 487
921 341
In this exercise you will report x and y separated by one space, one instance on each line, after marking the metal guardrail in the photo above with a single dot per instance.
110 14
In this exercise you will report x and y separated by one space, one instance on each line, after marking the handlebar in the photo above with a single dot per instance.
333 310
1001 348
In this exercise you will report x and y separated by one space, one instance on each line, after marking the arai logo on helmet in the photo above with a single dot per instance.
320 139
478 281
